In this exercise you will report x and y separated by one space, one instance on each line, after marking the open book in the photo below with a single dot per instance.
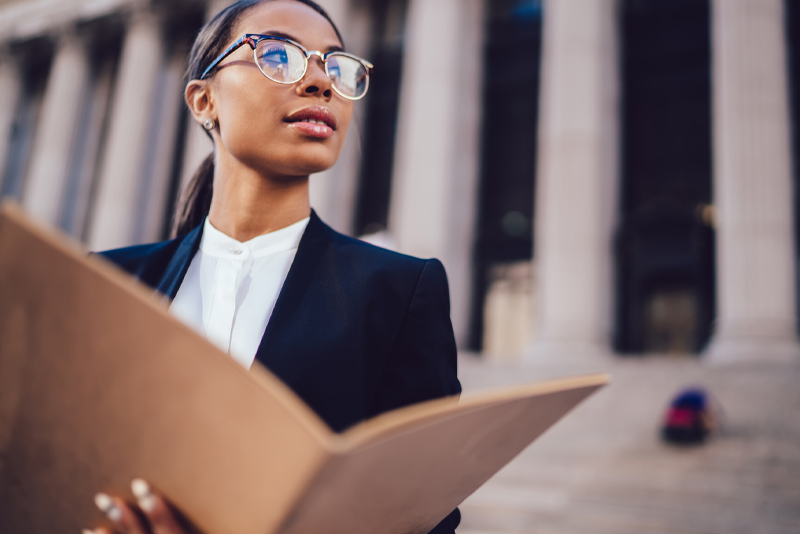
99 384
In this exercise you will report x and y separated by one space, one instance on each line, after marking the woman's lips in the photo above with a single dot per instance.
321 131
313 121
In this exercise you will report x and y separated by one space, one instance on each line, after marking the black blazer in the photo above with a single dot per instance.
357 330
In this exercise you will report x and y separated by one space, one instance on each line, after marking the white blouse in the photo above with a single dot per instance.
231 288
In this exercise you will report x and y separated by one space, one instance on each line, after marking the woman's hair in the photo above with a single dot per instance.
195 200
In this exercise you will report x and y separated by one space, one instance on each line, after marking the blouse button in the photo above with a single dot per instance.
236 251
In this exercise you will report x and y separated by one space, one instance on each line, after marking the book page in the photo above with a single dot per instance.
405 471
99 385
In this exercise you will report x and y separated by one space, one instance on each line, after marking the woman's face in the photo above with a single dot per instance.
257 118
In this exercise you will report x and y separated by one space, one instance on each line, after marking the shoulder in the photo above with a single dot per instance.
149 262
370 260
132 258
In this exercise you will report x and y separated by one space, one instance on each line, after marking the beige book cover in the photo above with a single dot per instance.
99 384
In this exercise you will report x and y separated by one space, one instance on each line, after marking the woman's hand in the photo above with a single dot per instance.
155 516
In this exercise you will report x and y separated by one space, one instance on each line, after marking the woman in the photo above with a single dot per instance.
353 329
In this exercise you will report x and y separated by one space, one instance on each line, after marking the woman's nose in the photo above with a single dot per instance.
316 81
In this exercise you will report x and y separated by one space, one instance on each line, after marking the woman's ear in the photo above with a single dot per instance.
199 99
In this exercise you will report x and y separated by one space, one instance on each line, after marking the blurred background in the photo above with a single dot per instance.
611 185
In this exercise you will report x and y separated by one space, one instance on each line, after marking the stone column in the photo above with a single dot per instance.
57 129
120 172
160 152
756 296
577 180
333 192
76 209
434 182
9 96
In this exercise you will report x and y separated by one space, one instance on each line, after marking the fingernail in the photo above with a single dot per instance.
107 506
87 531
145 497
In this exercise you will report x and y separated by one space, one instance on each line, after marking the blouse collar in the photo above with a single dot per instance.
219 245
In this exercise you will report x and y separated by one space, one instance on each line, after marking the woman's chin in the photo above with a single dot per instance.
306 168
300 165
312 162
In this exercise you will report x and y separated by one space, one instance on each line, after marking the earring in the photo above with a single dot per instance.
209 124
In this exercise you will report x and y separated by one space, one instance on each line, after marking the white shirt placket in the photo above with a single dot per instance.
223 308
211 298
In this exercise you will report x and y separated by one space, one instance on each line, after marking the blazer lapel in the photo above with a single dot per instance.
306 262
179 264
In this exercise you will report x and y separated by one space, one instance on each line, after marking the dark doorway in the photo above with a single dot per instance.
665 240
508 154
35 58
104 37
375 181
793 42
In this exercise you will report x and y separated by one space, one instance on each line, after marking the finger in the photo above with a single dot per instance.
162 519
101 530
118 511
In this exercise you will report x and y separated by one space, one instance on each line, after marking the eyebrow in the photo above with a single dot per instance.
333 48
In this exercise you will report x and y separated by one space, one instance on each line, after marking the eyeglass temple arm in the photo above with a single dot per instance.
247 39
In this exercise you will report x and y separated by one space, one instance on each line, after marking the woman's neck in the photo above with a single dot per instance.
247 204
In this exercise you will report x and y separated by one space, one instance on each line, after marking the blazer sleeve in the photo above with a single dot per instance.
422 363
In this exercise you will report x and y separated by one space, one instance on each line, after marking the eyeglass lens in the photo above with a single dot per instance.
285 63
349 76
280 62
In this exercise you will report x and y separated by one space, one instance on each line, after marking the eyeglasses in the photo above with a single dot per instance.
285 61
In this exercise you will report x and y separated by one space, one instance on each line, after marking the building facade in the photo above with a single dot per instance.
597 176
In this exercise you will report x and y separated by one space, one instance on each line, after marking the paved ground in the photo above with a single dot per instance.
603 470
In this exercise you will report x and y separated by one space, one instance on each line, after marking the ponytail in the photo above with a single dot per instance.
195 200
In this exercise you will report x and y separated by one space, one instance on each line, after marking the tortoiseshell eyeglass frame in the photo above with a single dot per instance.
253 39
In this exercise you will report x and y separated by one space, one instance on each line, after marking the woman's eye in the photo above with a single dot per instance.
275 56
